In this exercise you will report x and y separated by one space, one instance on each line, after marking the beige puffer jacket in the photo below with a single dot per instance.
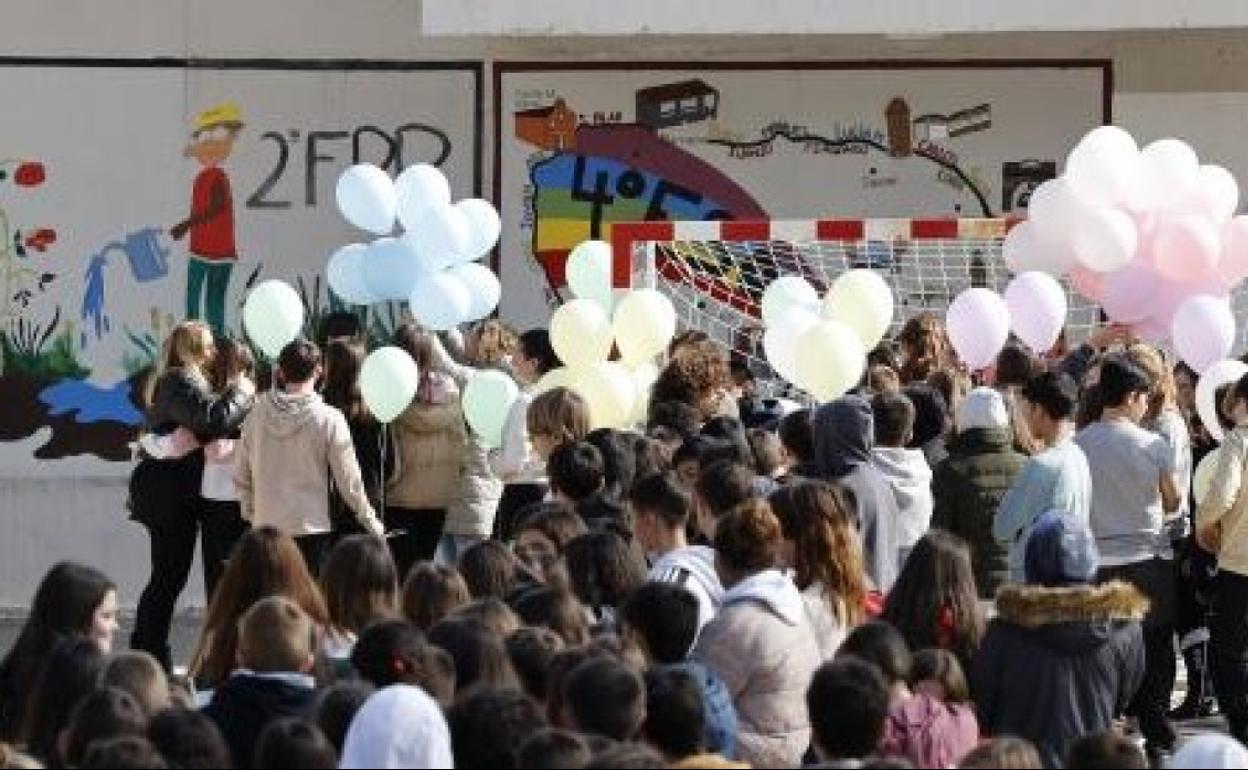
761 644
430 440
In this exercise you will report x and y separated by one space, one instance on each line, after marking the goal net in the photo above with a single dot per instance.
716 272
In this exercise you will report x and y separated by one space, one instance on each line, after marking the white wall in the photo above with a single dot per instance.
1191 83
899 17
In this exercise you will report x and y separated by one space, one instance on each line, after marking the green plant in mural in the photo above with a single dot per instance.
31 349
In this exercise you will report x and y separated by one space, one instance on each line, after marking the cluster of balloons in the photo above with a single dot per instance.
584 337
1151 235
979 321
273 316
433 265
821 345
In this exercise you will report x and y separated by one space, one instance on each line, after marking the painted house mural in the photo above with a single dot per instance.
140 196
742 141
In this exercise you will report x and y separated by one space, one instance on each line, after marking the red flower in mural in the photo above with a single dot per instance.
41 239
30 174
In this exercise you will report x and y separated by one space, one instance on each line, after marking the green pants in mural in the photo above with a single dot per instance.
212 280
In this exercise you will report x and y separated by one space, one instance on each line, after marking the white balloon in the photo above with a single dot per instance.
1037 308
1055 210
366 198
832 360
1203 331
392 269
1103 169
483 286
442 236
273 317
346 276
389 380
644 325
1025 250
609 390
787 293
781 340
978 324
1106 240
862 300
588 273
1169 169
581 333
1215 196
485 224
419 188
1222 373
440 302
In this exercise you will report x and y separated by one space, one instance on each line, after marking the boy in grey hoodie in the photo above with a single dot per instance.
905 470
291 446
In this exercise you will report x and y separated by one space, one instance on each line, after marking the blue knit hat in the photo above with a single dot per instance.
1061 552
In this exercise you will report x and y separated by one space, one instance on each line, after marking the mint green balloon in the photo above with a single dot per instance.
487 401
273 317
388 381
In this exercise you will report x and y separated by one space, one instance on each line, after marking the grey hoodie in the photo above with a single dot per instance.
761 645
909 475
844 437
290 448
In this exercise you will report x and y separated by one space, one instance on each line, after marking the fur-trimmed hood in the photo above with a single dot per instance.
1036 606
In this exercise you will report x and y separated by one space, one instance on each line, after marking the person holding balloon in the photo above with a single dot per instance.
1222 529
292 445
432 442
516 462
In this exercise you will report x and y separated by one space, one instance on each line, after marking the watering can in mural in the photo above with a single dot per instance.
149 261
148 257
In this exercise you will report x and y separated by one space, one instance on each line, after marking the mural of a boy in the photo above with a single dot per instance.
213 252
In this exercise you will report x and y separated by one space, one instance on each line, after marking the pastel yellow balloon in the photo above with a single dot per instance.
581 333
644 377
861 300
609 390
556 378
832 360
645 324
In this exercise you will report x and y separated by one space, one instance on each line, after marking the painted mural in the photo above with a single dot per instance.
137 197
582 149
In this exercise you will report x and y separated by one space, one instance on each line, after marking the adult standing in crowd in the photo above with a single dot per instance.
165 493
516 462
1134 487
432 440
293 444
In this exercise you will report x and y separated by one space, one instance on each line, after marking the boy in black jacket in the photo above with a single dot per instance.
277 653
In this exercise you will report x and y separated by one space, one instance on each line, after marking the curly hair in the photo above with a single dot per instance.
925 346
696 376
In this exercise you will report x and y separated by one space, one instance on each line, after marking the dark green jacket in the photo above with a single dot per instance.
968 488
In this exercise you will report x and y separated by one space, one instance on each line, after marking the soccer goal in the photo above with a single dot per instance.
716 272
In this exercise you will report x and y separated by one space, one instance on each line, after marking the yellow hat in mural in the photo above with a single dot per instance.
227 114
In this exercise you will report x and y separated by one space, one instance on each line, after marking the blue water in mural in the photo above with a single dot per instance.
92 403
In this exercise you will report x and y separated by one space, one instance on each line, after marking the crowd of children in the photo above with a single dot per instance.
933 571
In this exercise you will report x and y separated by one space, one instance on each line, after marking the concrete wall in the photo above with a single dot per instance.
1191 83
899 17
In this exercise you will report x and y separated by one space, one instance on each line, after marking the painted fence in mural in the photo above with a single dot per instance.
580 147
102 166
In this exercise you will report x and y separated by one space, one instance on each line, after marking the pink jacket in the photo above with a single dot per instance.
928 732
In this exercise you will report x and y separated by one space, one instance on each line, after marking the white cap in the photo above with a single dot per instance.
982 408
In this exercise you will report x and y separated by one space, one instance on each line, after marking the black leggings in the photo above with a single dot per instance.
173 553
1229 628
422 529
223 527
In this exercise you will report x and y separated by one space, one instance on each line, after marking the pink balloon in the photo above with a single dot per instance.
1037 306
1152 331
1234 264
1130 294
1089 284
1203 331
978 323
1186 248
